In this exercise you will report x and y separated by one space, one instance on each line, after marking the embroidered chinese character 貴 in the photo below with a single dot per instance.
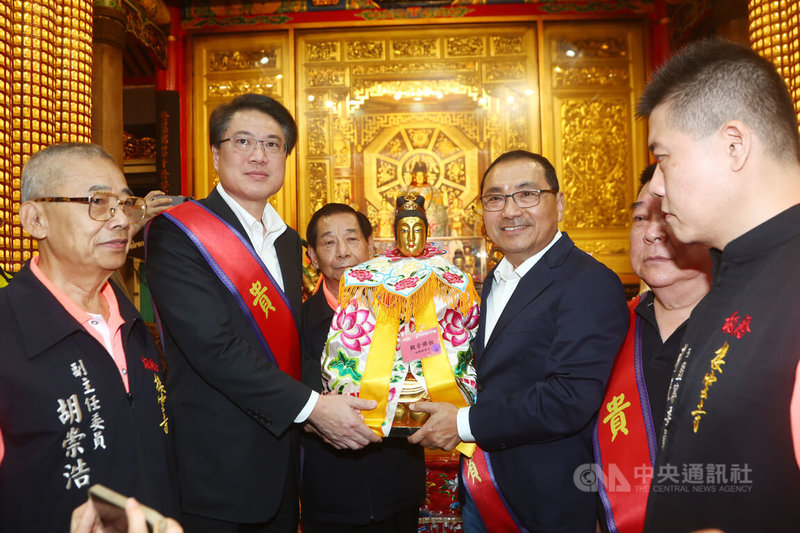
616 415
261 299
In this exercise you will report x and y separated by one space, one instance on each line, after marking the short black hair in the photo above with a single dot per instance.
647 175
524 155
712 81
220 118
334 209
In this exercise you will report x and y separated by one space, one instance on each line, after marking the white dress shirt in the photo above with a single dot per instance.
506 279
262 234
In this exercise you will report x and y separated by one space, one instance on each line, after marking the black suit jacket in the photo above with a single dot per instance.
232 409
541 378
347 486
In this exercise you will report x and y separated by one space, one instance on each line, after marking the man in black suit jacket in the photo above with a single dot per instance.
235 411
552 320
378 489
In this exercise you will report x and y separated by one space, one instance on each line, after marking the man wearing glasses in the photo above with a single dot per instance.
552 320
225 278
81 385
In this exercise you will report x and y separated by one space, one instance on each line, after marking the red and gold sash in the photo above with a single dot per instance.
479 482
624 441
236 264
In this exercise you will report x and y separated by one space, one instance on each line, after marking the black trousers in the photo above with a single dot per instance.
403 522
286 519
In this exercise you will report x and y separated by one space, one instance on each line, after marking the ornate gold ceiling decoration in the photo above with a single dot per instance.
410 89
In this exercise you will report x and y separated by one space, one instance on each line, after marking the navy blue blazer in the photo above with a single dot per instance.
232 409
541 378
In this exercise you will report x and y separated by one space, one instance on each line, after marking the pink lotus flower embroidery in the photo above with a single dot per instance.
408 283
361 274
452 278
355 327
453 328
473 317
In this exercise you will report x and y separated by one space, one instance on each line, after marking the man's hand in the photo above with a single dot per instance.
338 419
137 523
154 206
85 520
441 429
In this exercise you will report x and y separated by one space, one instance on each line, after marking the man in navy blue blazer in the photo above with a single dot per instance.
552 321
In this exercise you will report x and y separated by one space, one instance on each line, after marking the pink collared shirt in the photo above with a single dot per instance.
115 321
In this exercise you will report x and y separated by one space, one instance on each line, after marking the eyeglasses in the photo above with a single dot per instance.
523 199
103 205
246 145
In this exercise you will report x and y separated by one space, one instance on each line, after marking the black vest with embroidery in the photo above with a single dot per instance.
726 458
66 419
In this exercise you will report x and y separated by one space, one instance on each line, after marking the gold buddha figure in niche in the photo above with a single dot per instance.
419 184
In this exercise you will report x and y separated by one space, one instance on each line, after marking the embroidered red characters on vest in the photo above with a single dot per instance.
731 326
149 364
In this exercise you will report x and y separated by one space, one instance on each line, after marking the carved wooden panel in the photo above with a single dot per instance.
225 66
373 102
595 73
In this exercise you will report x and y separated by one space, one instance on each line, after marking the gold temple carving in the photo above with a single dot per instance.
415 48
373 103
221 61
464 46
362 50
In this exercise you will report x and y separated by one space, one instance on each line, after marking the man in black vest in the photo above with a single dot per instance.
235 405
723 129
81 389
378 489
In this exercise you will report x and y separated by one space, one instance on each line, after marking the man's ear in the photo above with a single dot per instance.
371 245
33 219
312 255
738 139
215 157
560 205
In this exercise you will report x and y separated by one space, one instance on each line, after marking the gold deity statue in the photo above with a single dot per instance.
417 314
411 234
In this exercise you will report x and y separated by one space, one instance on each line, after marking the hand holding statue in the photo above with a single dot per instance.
338 420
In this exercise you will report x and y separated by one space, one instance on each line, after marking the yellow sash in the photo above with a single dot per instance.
439 378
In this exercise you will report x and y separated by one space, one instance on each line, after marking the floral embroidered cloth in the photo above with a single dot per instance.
394 285
404 276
